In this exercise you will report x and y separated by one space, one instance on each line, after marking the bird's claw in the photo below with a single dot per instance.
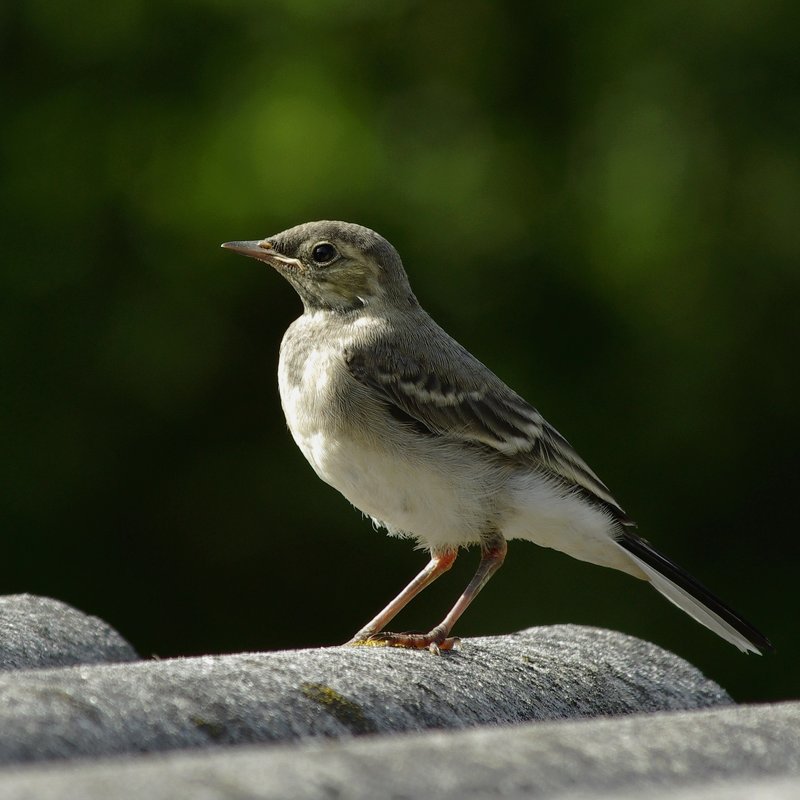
433 641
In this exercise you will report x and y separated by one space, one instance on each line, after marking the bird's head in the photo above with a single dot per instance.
335 266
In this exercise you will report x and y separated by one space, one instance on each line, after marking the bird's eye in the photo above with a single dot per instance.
324 253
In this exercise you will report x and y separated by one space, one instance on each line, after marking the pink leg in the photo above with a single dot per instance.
493 555
438 565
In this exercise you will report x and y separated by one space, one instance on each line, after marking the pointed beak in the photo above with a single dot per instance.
262 250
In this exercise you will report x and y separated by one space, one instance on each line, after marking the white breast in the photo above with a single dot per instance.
308 404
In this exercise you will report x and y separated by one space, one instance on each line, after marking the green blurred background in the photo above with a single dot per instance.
601 201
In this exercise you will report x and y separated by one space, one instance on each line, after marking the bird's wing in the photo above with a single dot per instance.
470 403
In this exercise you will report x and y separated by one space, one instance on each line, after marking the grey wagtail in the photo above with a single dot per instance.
423 438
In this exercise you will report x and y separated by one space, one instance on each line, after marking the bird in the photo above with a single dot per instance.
430 444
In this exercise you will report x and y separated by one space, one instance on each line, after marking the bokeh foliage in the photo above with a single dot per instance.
602 201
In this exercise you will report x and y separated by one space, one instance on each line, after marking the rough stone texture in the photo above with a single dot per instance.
40 632
763 788
732 752
281 701
539 674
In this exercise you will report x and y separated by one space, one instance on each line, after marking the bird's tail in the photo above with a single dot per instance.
691 596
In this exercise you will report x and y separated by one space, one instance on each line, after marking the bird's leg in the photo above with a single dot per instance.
440 562
493 554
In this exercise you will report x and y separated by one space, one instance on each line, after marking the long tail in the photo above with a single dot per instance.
691 596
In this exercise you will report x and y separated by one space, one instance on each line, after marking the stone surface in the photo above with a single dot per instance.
37 632
785 787
694 755
540 674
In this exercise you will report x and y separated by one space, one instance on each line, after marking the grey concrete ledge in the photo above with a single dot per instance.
699 755
37 632
539 674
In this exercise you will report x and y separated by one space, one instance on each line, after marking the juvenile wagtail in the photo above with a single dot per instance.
419 435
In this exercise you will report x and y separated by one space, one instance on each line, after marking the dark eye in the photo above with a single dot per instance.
324 253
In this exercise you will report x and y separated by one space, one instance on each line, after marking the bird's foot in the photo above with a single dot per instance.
435 641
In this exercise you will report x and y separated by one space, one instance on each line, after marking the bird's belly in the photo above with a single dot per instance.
406 493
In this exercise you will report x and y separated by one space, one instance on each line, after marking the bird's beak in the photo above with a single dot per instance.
262 251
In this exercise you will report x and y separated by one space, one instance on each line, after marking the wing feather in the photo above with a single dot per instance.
475 406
